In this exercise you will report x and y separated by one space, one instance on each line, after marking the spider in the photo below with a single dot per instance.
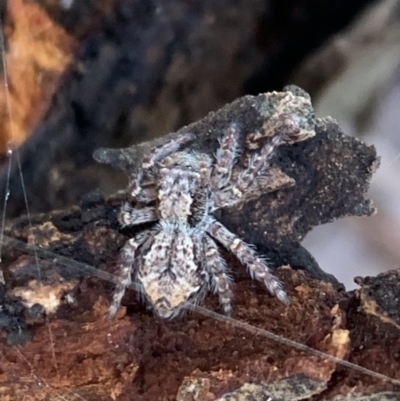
177 261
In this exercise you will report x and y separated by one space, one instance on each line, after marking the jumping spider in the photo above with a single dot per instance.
177 261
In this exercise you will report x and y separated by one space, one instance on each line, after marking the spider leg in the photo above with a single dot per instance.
128 216
149 161
226 156
257 165
126 262
160 152
136 189
218 271
258 268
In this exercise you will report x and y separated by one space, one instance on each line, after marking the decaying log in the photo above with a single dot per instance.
75 353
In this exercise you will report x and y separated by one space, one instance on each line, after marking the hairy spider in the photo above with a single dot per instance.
177 261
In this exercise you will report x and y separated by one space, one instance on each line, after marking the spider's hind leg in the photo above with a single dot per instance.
126 266
220 279
258 268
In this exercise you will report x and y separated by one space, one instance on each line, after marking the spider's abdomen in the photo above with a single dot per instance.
169 272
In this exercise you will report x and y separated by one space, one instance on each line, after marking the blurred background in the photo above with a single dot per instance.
77 75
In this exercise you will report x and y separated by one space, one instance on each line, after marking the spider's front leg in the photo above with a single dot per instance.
150 161
126 263
129 216
248 257
136 189
226 157
258 165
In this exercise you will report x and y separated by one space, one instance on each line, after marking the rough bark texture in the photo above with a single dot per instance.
75 353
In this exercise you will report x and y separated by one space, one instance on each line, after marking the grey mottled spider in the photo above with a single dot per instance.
177 261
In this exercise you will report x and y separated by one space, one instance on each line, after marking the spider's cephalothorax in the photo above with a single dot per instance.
177 261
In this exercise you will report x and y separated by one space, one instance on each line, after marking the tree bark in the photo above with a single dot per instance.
265 351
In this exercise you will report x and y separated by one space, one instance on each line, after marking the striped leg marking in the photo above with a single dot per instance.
258 268
126 266
220 278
